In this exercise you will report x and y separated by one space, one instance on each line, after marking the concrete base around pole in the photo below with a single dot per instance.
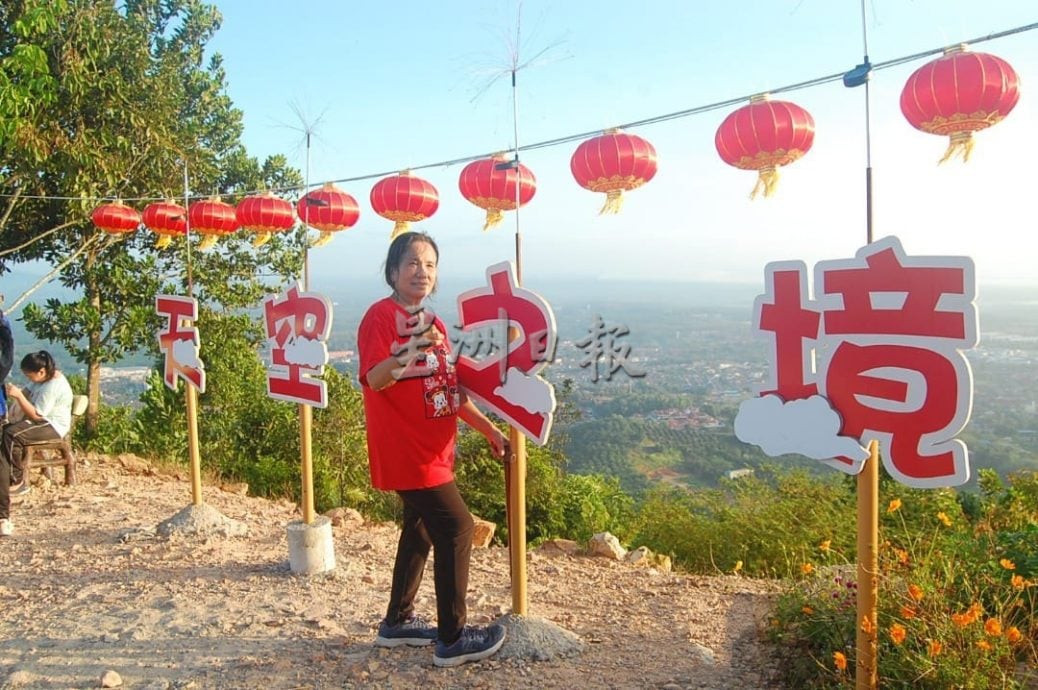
537 639
311 549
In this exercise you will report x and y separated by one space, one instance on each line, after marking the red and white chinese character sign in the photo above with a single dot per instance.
297 325
179 341
507 381
889 331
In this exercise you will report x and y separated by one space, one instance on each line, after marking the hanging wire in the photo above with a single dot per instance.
697 110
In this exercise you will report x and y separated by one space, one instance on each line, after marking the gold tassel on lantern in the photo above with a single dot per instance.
614 202
261 239
494 218
208 241
767 181
959 143
399 228
322 239
163 241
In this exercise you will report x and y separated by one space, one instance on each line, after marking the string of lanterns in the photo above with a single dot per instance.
955 95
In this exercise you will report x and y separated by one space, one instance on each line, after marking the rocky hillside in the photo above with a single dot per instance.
96 597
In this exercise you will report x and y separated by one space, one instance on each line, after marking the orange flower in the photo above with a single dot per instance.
1007 564
993 627
807 568
908 613
894 505
897 633
902 556
1018 581
866 626
916 592
971 615
807 610
839 661
824 546
1013 635
934 648
945 520
984 644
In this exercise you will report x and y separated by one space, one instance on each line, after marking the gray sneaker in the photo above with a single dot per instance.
473 644
413 632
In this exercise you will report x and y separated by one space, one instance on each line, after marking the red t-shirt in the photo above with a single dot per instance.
412 424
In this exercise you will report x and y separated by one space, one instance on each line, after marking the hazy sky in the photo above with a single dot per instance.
405 83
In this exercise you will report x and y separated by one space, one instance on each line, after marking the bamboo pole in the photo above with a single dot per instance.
866 674
516 470
191 394
306 413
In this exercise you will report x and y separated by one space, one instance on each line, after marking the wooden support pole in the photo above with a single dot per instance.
306 415
191 394
516 505
866 674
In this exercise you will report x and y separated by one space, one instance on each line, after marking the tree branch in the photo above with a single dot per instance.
47 278
39 237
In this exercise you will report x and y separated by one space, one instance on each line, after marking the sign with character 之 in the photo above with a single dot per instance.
506 381
875 355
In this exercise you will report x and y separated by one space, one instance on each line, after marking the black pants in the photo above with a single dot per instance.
436 517
12 455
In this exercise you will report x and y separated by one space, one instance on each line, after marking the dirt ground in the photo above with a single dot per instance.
89 589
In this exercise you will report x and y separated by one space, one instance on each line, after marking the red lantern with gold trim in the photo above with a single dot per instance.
404 199
328 209
264 214
116 218
166 219
491 184
958 94
213 219
614 162
764 136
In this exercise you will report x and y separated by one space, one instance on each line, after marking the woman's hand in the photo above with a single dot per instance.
499 444
13 391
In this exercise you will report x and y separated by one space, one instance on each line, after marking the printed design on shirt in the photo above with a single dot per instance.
440 386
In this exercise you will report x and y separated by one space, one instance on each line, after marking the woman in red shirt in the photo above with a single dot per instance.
411 406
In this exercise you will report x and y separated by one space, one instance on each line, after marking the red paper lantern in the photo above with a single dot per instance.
264 214
491 185
328 209
213 219
958 94
116 218
614 162
404 199
165 219
764 136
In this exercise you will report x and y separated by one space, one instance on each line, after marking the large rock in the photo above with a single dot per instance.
560 547
483 533
342 516
606 545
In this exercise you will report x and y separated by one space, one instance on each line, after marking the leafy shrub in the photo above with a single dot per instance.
954 610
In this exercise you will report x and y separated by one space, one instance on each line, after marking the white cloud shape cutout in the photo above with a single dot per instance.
808 427
185 353
528 392
306 352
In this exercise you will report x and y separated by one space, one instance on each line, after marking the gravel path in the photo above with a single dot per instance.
92 588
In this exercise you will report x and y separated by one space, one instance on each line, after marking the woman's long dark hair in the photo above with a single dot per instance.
34 361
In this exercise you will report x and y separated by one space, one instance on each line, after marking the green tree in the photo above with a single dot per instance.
132 103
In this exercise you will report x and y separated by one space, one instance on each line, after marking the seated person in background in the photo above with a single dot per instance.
46 414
